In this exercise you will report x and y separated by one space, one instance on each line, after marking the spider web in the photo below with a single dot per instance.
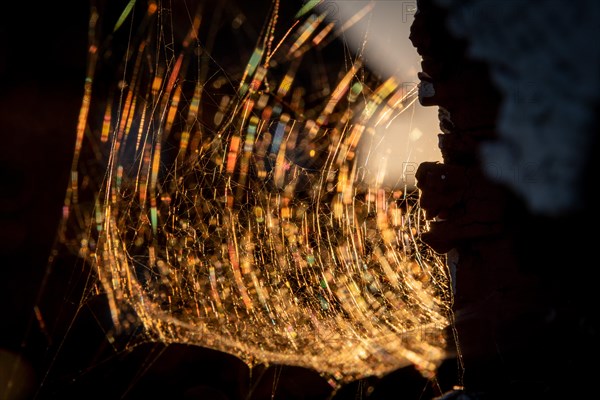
222 202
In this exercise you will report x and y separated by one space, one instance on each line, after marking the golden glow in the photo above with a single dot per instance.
258 236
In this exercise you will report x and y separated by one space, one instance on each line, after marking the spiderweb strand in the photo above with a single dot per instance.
255 232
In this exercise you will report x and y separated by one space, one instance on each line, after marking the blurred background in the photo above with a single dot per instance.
382 38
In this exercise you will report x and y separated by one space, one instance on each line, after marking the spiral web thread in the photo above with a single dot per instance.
241 221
